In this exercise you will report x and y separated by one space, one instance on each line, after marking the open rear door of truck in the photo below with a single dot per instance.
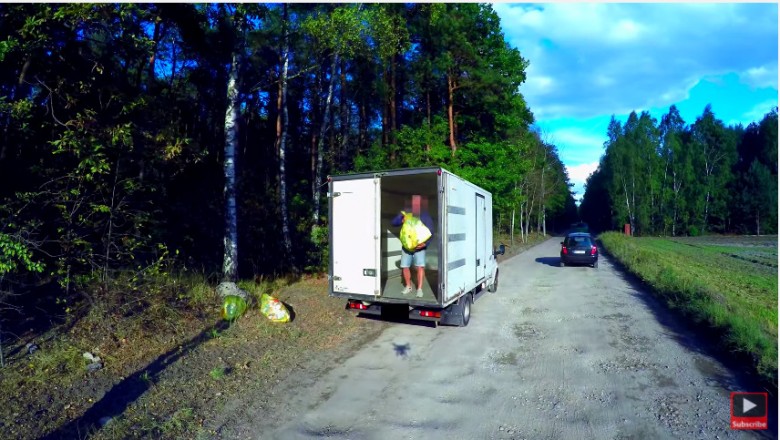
355 243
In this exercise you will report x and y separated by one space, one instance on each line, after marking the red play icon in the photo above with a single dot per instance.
749 410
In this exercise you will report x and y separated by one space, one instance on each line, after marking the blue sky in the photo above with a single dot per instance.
589 61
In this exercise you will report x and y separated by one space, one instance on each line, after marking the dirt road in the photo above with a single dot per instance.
557 353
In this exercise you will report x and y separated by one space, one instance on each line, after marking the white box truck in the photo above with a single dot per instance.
365 249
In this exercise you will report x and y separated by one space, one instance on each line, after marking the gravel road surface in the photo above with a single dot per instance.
557 353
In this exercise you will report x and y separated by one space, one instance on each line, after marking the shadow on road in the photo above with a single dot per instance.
123 394
398 319
402 350
708 344
550 261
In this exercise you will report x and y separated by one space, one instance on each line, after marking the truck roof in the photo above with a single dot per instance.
393 172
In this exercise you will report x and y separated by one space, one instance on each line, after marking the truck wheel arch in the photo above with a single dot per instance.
493 287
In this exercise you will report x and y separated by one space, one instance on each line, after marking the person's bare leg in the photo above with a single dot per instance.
407 277
420 277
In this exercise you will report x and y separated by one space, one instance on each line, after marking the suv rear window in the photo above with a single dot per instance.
578 241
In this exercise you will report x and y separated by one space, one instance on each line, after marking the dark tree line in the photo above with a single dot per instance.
136 133
671 178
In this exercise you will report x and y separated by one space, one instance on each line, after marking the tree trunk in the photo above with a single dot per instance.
512 228
428 106
320 141
628 207
110 232
758 223
155 44
363 129
344 104
173 65
542 202
676 186
386 119
230 262
283 141
706 211
392 96
315 116
2 357
522 232
451 112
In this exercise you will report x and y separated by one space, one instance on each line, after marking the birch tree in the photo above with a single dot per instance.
337 33
282 126
230 241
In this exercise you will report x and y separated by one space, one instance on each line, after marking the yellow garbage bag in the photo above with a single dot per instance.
273 309
413 232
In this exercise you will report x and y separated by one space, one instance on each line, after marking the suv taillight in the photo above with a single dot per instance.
593 250
564 250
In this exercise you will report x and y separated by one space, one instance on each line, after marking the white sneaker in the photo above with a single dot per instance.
407 290
419 293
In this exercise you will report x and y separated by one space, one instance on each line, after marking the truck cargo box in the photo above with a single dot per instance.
365 249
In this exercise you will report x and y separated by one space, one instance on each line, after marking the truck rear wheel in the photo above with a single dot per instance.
466 309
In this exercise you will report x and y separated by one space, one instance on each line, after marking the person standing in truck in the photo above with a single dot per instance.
416 258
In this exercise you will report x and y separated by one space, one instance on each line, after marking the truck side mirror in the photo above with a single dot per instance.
501 250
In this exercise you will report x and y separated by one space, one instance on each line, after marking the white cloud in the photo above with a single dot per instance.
580 173
575 137
626 30
540 83
762 76
605 58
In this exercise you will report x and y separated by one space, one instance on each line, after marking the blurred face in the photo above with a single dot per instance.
416 201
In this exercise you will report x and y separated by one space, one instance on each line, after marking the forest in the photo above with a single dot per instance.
670 178
148 139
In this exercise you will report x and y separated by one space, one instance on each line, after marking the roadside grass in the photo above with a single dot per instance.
728 283
170 347
58 362
517 246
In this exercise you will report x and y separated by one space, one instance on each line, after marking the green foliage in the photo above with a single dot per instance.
319 238
672 179
15 255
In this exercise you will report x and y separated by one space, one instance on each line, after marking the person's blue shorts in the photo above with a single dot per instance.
416 259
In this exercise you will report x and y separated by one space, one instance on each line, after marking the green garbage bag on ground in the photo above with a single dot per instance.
233 307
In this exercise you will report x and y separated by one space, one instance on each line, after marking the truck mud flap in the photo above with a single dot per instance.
453 314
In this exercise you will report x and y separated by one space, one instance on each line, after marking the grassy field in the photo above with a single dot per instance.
727 282
171 366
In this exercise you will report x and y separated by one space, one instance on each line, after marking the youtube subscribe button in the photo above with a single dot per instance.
749 410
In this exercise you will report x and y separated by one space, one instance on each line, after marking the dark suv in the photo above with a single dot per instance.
579 248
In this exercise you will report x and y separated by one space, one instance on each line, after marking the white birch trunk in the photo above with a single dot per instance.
512 228
522 232
283 141
321 141
229 264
